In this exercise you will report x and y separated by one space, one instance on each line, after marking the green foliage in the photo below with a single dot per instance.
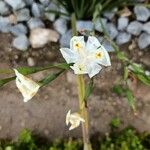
85 9
115 123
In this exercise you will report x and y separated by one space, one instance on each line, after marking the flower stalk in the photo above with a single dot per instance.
84 112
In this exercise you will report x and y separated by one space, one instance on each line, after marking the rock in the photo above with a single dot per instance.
123 37
110 14
40 36
35 23
18 29
122 23
4 9
16 4
111 30
28 2
22 15
50 16
98 25
144 40
65 39
142 13
21 42
5 24
60 25
84 25
31 62
45 2
125 12
37 10
146 27
135 28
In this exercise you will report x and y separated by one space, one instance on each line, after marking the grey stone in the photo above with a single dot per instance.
18 29
65 39
45 2
110 14
16 4
142 13
84 25
31 62
144 40
50 16
98 25
35 23
60 25
146 27
111 30
4 9
135 28
21 42
23 15
5 24
123 37
37 10
29 2
122 23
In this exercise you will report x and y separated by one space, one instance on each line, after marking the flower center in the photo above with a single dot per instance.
98 55
78 46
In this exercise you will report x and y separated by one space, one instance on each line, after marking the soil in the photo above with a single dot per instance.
45 113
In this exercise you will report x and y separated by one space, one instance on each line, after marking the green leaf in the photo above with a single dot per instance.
126 73
50 78
6 80
115 122
118 90
89 89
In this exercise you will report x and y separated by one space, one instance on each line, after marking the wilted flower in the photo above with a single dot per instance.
86 56
74 119
27 87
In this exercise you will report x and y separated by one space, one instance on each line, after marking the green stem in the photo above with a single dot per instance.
84 112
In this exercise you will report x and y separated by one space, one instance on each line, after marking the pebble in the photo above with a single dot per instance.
31 62
135 28
60 25
4 9
98 25
5 24
84 25
111 30
41 36
123 37
35 23
110 14
144 40
16 4
28 2
18 29
23 15
142 13
122 23
21 43
37 10
45 2
146 27
65 39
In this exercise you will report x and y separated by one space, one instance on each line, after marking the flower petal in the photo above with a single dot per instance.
92 44
77 43
68 117
69 55
27 87
103 58
93 69
75 125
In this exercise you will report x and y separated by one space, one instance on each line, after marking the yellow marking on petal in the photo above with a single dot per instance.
98 55
78 46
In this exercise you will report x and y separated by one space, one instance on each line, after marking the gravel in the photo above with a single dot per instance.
146 27
110 14
142 13
16 4
35 23
123 37
122 23
21 42
5 24
84 25
135 28
4 9
98 25
144 41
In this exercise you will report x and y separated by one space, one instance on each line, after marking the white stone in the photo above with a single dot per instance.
98 25
37 10
4 9
144 41
40 36
15 4
122 23
85 25
146 27
60 25
123 37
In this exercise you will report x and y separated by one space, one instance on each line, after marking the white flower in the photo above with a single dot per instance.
27 87
74 119
86 56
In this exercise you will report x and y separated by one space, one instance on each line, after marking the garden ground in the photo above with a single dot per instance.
45 113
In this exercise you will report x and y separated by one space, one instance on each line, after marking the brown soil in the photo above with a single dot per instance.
45 113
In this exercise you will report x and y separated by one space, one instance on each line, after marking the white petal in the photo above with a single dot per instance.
77 43
75 125
93 69
79 68
92 44
105 59
69 55
27 87
68 117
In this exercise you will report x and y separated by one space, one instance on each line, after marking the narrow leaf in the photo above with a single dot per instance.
6 80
